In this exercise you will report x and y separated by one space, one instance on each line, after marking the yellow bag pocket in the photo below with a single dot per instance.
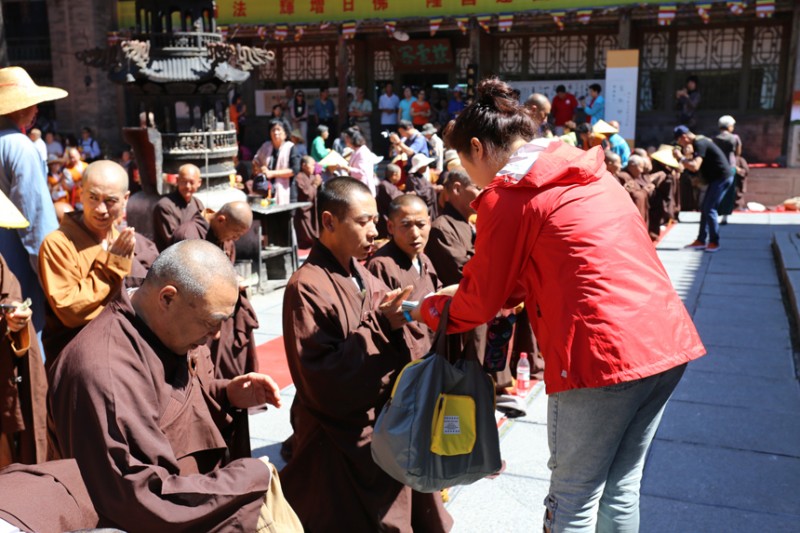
453 431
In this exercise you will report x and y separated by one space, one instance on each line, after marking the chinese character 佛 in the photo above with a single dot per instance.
318 6
380 5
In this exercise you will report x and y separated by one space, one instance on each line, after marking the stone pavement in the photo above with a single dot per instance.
727 454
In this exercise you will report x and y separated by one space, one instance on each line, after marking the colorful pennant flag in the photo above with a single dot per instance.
281 31
765 8
483 22
666 14
558 18
704 10
584 16
262 32
349 29
390 26
737 7
298 32
435 23
463 24
112 38
504 22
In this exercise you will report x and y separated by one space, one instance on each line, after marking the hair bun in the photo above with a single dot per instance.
496 94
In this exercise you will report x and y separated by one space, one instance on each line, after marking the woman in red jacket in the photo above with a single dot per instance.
557 231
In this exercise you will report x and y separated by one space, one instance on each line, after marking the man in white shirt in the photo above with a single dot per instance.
360 113
35 135
388 104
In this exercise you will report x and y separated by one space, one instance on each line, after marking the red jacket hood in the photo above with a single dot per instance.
558 163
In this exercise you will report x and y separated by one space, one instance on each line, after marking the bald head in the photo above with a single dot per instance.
189 171
193 267
108 173
614 124
406 200
188 181
539 106
233 220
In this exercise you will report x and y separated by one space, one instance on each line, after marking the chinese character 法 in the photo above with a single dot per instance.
240 8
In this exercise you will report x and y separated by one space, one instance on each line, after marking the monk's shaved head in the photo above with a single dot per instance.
336 196
107 172
193 267
237 213
406 200
189 171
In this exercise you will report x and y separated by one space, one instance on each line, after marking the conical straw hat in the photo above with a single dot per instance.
10 217
601 126
18 91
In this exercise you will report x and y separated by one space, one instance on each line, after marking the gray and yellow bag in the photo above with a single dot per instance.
438 429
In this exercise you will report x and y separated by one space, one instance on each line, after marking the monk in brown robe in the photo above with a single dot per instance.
346 340
402 261
133 400
385 192
450 246
223 227
23 385
178 207
84 263
305 218
47 498
233 351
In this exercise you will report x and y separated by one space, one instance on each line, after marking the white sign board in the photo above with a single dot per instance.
622 80
548 88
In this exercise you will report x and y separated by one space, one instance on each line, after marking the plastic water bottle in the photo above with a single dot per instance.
523 374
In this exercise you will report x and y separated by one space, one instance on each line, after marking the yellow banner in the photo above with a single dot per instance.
317 11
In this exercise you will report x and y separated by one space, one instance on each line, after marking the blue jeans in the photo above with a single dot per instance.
709 219
598 442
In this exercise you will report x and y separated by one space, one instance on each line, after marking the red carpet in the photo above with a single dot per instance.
272 361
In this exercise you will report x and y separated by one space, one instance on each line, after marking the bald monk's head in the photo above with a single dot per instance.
104 196
233 220
347 214
189 291
409 224
539 106
188 181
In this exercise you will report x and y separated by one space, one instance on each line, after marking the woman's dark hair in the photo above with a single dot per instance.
356 137
276 122
596 87
495 117
694 79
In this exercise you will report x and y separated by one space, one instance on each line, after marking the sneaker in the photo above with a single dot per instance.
712 247
696 245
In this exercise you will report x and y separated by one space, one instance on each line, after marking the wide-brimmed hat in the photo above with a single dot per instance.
449 155
665 155
53 158
18 91
604 128
419 161
428 129
297 134
10 216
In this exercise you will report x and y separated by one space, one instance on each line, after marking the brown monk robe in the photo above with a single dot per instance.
133 400
385 192
82 265
233 353
46 498
178 207
346 340
305 219
23 385
401 262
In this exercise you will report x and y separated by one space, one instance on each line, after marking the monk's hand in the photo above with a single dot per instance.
124 244
253 389
391 306
18 318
